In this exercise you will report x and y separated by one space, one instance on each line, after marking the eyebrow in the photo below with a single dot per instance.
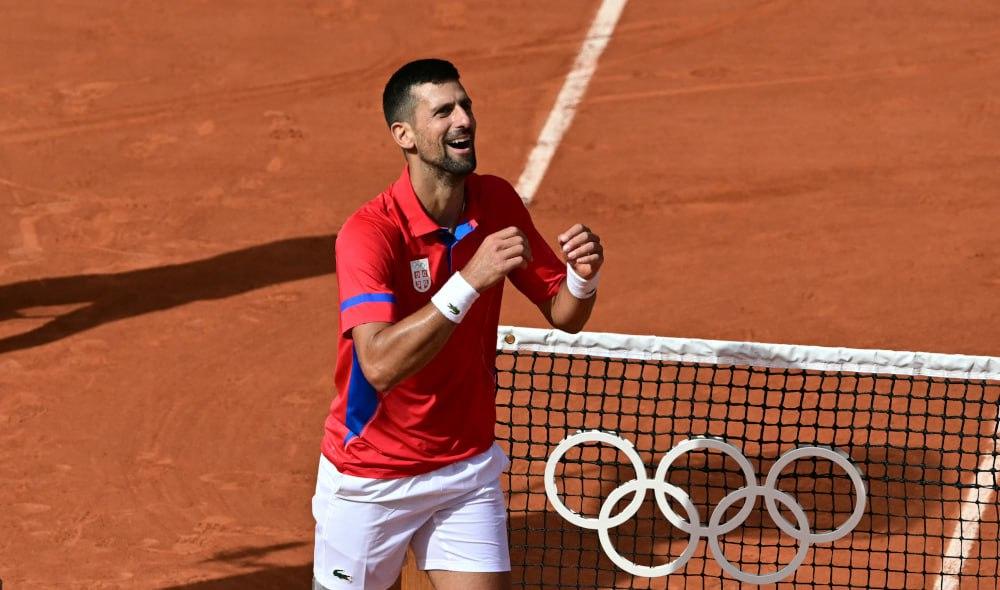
465 102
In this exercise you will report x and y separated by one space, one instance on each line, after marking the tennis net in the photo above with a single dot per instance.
896 488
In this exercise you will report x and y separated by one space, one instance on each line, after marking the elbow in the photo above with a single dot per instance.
567 323
568 313
378 376
573 323
385 382
570 326
380 385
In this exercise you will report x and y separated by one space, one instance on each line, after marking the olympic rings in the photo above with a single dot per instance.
772 496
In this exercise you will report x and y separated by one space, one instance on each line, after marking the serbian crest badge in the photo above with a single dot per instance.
421 271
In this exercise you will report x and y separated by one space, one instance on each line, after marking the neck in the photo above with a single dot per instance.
442 194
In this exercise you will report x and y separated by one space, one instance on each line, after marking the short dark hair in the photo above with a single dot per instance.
396 98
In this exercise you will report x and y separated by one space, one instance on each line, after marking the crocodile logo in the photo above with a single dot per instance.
453 309
342 575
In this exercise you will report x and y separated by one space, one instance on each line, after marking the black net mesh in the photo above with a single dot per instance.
925 447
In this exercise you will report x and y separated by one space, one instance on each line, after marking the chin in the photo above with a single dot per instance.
459 167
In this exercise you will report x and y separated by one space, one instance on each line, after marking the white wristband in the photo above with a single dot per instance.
580 287
455 298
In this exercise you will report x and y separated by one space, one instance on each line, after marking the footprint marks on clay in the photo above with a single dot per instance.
79 98
145 148
29 215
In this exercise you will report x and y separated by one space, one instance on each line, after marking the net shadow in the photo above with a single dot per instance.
551 553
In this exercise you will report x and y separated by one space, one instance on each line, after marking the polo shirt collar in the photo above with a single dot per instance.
419 221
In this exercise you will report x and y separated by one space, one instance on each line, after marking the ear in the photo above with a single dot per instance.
402 134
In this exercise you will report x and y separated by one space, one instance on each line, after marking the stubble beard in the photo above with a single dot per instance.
448 166
458 167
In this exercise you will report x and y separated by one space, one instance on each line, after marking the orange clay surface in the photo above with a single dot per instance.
172 176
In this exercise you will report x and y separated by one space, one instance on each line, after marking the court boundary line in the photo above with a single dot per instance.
572 91
975 501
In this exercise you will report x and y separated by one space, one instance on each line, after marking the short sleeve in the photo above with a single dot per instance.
541 279
364 274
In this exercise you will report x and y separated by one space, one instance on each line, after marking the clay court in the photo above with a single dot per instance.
173 176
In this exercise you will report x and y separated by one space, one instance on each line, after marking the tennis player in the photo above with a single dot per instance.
408 455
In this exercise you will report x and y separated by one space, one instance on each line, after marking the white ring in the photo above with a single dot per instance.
772 494
639 489
860 493
584 437
695 444
714 528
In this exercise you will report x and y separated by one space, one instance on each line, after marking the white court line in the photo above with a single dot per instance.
975 500
569 97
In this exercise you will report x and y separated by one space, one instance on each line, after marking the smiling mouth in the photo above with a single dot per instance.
463 144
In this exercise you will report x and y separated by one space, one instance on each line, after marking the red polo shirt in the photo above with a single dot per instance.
391 258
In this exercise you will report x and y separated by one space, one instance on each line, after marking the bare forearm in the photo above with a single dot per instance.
397 351
569 314
389 353
570 309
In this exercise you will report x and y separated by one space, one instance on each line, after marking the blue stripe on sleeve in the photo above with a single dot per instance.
367 298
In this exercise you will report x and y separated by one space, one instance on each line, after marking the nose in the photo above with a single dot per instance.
462 118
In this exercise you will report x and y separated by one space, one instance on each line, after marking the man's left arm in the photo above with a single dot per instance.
570 309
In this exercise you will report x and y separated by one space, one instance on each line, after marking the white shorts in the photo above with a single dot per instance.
454 518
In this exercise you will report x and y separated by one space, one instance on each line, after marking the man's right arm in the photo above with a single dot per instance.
391 352
388 353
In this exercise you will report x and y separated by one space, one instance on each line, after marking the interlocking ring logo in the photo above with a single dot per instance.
800 531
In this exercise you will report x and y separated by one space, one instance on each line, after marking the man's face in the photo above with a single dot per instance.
444 128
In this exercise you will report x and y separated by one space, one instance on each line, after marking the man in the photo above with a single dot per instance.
408 456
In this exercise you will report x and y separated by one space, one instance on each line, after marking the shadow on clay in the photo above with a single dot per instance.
547 552
248 556
113 297
296 577
904 490
262 576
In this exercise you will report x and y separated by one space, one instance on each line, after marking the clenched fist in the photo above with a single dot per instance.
500 253
583 250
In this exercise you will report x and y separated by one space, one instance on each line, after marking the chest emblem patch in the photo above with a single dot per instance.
421 272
